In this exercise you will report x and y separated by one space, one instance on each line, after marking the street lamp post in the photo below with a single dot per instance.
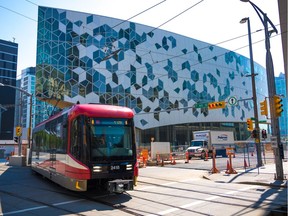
30 117
257 138
271 89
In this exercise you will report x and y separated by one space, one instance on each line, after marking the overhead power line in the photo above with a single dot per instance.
139 13
18 13
179 14
171 57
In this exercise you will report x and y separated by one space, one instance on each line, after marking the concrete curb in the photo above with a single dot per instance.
273 185
284 185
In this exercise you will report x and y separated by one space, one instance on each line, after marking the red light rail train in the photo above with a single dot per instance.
87 146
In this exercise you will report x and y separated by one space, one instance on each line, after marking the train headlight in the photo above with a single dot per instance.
129 167
97 169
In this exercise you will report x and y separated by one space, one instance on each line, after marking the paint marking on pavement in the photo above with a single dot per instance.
40 207
201 201
164 184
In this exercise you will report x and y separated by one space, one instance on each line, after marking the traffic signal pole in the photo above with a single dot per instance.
271 89
254 97
272 92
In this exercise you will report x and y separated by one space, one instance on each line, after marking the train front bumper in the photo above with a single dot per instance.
120 185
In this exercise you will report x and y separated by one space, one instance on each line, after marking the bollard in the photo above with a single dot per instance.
136 173
187 157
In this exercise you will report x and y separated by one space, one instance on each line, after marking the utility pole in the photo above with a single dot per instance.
271 90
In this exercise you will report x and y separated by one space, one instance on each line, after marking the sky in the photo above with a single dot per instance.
212 21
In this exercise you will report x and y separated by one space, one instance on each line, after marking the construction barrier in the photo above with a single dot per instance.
214 169
230 169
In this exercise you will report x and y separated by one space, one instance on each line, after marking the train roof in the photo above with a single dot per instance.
101 110
94 110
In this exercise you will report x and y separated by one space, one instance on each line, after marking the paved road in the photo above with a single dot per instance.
160 191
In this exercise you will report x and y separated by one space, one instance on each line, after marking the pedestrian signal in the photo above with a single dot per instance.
249 124
217 105
278 105
263 107
264 134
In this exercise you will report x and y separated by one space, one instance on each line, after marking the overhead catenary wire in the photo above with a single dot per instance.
171 57
174 56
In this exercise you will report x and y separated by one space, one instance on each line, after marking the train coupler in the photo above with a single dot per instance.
120 185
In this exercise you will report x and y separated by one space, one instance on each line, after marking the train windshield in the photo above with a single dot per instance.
111 139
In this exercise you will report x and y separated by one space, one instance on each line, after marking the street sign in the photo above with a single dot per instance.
18 131
232 101
201 105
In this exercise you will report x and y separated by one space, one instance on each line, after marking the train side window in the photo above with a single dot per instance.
75 139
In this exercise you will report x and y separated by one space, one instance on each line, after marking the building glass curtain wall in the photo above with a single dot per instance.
162 76
8 72
281 90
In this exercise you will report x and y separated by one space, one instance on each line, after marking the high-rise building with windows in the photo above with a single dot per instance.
28 85
280 84
22 102
166 78
8 72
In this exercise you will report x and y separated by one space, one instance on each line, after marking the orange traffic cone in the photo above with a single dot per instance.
173 161
187 157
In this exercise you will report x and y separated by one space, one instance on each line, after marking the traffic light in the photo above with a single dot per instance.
254 134
249 124
18 131
217 105
263 107
16 139
278 105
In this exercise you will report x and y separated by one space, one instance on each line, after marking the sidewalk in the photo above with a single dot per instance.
264 175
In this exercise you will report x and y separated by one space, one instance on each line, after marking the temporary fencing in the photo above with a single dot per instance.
241 158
